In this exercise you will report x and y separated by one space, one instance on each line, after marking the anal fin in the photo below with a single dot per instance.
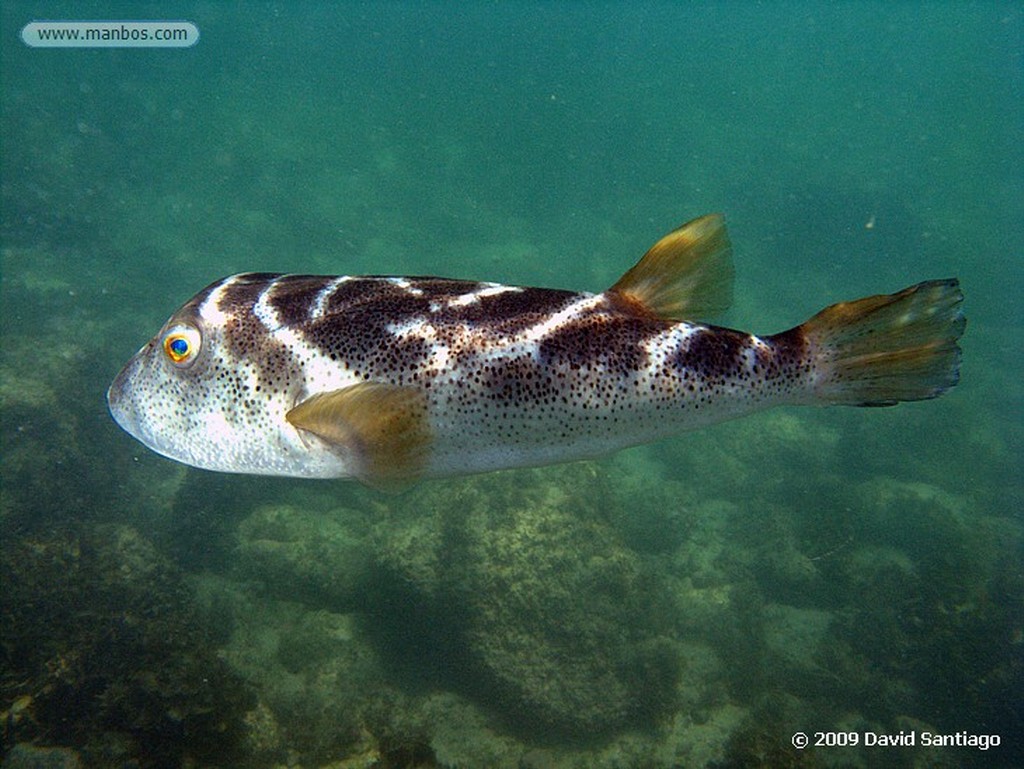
381 428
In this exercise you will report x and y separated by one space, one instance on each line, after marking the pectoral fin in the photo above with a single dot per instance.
382 428
687 275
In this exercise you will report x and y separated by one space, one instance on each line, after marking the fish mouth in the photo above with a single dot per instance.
120 403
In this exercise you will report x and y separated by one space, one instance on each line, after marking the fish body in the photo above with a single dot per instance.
390 379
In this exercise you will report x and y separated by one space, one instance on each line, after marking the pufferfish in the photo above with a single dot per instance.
391 379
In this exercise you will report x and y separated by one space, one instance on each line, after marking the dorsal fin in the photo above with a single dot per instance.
687 274
382 428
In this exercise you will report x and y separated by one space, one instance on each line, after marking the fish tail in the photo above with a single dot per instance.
884 349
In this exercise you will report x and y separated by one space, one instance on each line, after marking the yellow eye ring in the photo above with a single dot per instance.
181 345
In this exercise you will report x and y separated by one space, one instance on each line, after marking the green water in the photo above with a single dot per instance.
691 603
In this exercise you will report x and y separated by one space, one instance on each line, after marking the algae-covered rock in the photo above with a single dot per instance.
939 599
307 555
755 457
550 606
462 737
41 437
315 676
794 638
550 619
104 652
25 756
500 615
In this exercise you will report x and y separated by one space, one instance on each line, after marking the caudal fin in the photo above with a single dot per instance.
884 349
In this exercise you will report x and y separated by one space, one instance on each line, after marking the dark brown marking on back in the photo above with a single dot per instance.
359 313
788 357
383 292
614 342
510 312
294 296
357 292
442 288
713 353
244 291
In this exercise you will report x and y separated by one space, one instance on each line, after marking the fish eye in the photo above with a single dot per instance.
181 344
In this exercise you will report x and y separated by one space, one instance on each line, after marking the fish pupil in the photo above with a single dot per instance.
179 348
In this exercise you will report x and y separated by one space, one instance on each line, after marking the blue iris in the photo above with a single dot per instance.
179 347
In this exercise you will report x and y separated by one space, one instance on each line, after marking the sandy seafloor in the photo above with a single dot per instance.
690 603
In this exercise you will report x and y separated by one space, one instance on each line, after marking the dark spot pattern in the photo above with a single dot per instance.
362 292
511 312
715 354
497 374
244 291
787 364
359 314
293 296
359 334
616 344
719 362
245 345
